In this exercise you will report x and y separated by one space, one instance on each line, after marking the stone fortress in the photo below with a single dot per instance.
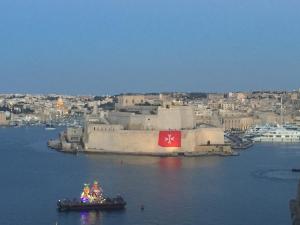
134 128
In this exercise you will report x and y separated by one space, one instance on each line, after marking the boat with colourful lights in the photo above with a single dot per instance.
91 199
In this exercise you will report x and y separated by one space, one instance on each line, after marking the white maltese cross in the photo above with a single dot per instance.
169 139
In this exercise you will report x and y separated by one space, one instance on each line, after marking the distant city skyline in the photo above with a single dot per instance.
110 47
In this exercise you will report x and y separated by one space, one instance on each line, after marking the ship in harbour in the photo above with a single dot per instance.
279 134
91 199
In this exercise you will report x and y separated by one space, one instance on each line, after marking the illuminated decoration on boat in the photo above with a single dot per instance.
93 194
85 195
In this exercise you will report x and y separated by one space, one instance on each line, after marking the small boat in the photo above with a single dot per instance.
296 170
117 203
49 127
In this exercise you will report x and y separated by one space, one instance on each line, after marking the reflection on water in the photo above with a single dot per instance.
120 160
80 218
90 218
150 161
170 163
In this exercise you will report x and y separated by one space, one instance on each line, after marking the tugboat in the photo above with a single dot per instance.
91 199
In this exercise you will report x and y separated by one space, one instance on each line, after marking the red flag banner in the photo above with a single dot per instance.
170 138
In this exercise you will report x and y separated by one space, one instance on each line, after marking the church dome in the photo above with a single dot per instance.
59 103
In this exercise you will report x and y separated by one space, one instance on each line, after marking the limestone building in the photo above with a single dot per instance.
130 133
130 100
3 120
237 123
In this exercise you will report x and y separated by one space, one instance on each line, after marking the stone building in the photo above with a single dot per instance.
74 134
215 96
133 133
130 100
3 120
113 138
227 106
237 123
171 117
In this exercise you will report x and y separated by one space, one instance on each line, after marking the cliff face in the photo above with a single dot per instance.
295 208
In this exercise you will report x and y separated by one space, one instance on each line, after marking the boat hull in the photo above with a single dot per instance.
108 204
274 140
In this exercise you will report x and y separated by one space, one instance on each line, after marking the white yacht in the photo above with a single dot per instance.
258 130
284 133
49 126
278 134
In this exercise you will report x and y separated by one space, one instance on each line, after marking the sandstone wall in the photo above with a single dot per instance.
122 118
176 117
212 136
168 119
143 141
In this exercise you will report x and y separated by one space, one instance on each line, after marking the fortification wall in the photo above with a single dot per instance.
121 141
187 117
169 118
136 122
122 118
150 122
146 141
212 136
176 117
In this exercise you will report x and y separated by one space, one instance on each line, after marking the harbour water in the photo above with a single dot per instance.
251 189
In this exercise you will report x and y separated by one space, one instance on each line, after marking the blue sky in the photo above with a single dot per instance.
112 46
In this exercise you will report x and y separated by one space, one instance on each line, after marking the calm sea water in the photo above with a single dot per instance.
252 189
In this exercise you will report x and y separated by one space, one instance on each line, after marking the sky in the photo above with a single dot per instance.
114 46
